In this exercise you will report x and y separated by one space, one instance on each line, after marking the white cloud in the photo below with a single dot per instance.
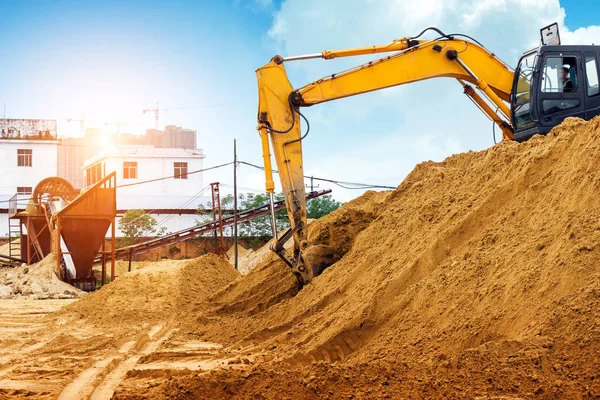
429 120
587 35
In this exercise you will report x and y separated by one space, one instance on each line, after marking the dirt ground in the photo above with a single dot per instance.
83 349
478 278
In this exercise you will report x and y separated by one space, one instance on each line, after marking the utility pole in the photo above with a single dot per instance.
312 185
235 209
217 218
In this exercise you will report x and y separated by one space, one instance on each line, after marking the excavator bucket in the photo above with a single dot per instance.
312 262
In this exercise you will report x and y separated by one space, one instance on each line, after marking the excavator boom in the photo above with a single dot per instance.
411 60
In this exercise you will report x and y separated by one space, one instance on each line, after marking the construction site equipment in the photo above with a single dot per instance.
72 225
128 252
551 83
82 121
156 110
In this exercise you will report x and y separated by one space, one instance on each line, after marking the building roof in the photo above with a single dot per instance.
28 129
29 141
143 151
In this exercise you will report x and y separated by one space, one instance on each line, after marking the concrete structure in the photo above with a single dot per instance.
28 154
74 151
136 164
18 128
177 137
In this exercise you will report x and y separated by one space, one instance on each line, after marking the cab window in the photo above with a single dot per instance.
559 75
522 92
591 71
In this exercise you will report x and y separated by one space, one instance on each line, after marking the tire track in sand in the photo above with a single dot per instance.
100 380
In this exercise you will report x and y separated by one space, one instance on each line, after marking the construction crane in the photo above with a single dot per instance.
156 110
81 121
551 82
118 123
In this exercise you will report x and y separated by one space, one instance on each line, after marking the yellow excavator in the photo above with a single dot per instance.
551 82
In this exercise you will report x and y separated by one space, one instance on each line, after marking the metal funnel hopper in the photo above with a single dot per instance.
83 224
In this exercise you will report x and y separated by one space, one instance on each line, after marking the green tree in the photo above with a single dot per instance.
136 224
321 206
204 212
256 228
261 227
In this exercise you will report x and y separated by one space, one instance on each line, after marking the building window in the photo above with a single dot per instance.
24 157
93 174
130 170
24 189
181 171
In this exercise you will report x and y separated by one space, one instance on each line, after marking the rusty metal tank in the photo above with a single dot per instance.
71 224
83 224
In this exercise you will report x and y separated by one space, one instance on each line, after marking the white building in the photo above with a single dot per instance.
140 170
24 163
28 154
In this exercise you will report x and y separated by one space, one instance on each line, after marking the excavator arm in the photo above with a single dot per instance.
412 60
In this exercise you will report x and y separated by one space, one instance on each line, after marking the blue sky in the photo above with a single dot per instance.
581 13
111 59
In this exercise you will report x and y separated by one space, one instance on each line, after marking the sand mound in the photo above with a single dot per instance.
158 292
478 275
37 281
250 259
271 282
242 251
121 267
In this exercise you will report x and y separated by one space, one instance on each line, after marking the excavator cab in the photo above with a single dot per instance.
552 83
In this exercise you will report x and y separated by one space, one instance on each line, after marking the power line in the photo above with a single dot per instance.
243 187
173 176
186 203
342 184
338 183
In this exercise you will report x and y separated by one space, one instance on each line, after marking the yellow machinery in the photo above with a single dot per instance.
535 107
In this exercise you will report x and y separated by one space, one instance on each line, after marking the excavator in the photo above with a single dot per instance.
551 82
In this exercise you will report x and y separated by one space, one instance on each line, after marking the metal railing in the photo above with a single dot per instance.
185 234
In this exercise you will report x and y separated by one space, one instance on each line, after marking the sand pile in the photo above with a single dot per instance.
242 251
479 275
157 292
248 259
121 267
37 281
